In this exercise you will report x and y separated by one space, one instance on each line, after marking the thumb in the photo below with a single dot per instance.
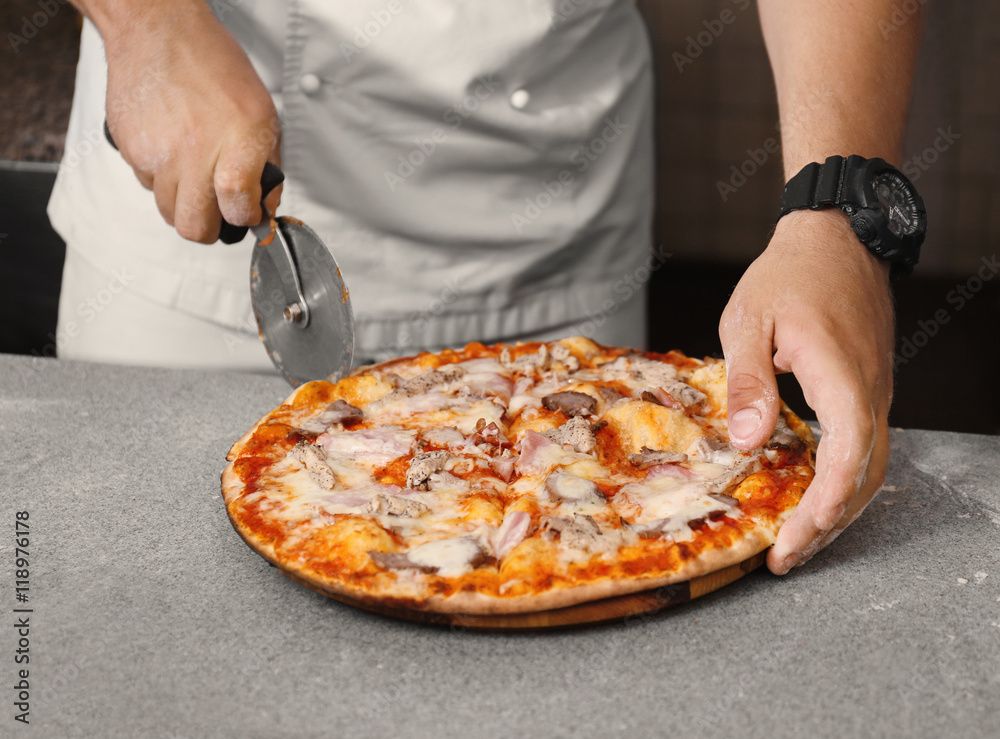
753 402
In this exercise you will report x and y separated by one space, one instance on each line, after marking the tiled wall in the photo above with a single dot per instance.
715 108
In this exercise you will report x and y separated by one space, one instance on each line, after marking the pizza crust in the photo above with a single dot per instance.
334 559
479 604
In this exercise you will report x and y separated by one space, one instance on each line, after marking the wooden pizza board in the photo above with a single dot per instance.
618 608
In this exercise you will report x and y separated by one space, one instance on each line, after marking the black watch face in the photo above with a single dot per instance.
898 205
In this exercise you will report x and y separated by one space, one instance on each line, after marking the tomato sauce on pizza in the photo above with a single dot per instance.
511 478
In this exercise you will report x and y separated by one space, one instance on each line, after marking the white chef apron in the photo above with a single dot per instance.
481 170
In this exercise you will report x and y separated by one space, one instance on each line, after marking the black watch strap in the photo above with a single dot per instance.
817 185
848 183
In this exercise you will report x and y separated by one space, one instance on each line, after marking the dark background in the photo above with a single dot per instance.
711 111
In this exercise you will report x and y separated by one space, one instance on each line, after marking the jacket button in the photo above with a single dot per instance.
310 84
519 98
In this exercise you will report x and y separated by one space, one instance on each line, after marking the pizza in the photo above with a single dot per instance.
511 479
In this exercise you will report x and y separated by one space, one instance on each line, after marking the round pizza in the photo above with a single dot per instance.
511 479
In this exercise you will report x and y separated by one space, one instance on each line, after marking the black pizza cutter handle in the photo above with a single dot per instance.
270 178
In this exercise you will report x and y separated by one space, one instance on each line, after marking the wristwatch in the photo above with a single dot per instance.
886 212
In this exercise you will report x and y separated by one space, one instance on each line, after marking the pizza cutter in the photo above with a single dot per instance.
299 298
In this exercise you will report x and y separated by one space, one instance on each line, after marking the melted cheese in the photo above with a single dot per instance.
550 456
673 499
588 468
484 366
435 410
402 406
447 437
297 497
530 395
451 557
521 401
684 501
585 375
367 448
706 470
574 494
570 487
444 483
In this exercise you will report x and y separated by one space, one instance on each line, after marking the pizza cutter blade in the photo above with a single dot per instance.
301 303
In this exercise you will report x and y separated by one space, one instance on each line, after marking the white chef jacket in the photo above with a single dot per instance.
481 170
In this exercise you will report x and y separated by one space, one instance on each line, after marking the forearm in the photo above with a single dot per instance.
817 302
117 20
843 83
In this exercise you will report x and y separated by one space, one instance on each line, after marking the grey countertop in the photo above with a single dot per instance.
151 618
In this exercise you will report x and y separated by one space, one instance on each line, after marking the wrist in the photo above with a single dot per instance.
823 234
826 218
886 213
124 27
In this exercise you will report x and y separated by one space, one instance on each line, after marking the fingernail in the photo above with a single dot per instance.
744 422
